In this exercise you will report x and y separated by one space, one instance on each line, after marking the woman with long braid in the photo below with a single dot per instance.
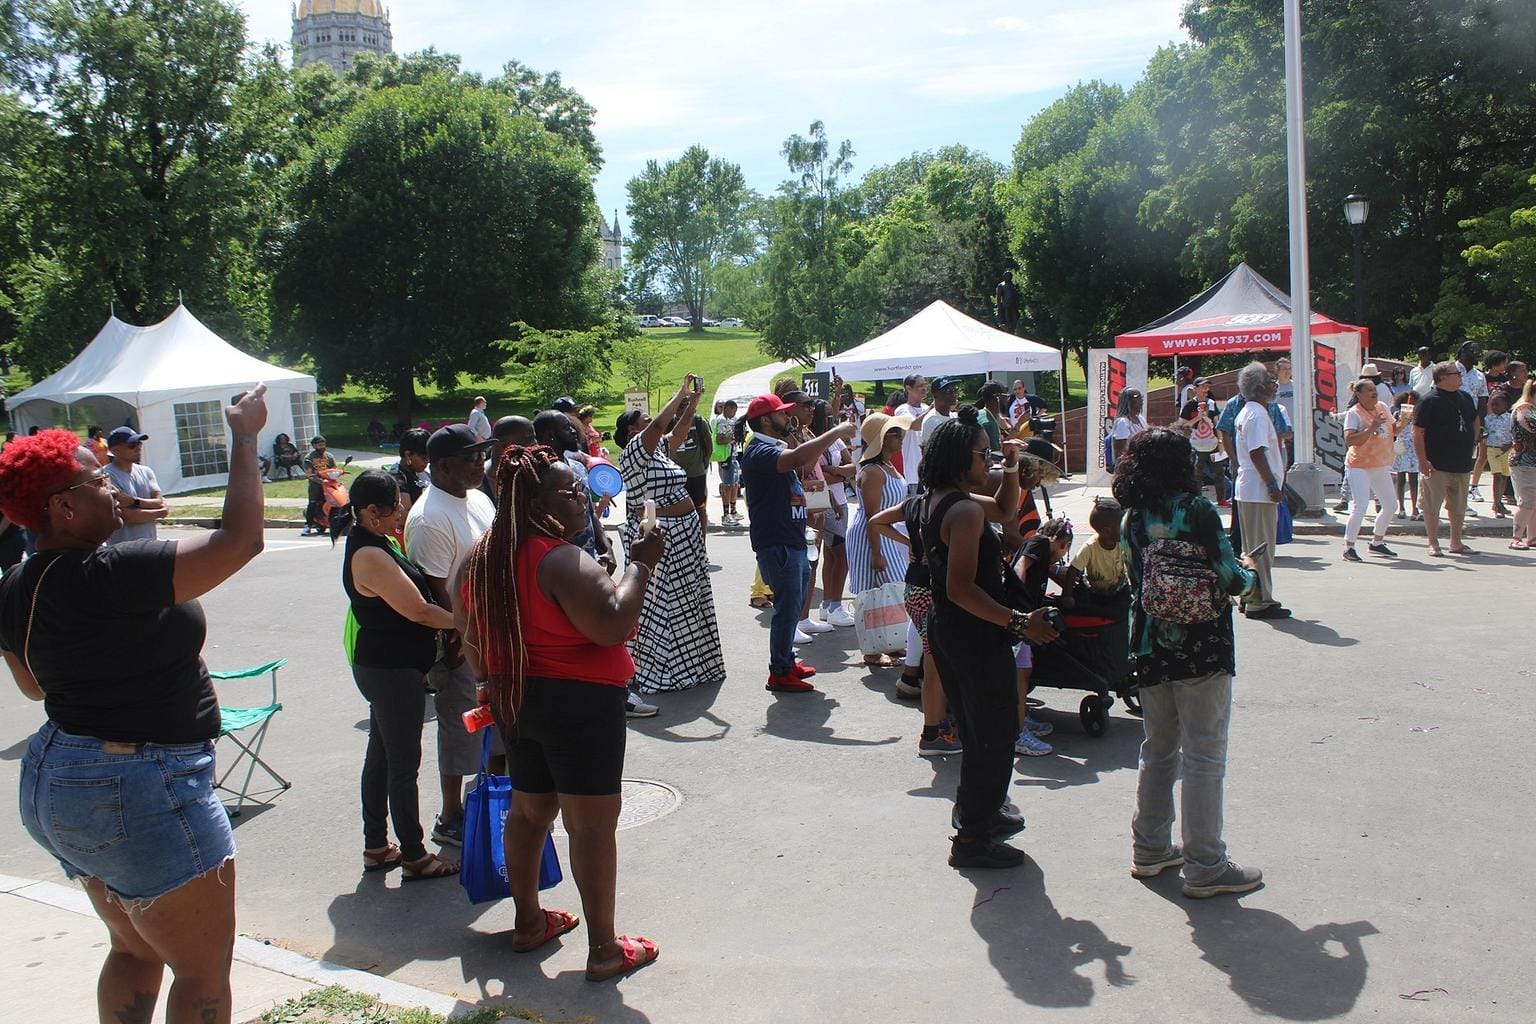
545 627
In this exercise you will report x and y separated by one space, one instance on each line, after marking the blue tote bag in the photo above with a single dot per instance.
1284 525
483 870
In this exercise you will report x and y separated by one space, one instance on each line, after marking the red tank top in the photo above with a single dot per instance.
556 648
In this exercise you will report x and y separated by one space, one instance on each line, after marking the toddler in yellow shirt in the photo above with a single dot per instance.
1100 560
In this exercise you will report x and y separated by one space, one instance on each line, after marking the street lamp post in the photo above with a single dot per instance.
1356 208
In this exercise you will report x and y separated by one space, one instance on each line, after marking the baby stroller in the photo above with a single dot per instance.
1092 653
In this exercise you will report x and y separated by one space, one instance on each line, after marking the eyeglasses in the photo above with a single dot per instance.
983 452
99 480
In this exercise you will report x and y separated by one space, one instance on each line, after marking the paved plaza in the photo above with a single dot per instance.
1379 774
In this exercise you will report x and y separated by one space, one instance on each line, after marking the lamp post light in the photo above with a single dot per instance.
1356 208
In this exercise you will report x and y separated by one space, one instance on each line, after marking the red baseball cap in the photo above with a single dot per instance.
762 405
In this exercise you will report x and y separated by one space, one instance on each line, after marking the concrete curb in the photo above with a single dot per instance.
262 956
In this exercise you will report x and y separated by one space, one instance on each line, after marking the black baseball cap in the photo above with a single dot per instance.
565 403
452 440
945 384
125 435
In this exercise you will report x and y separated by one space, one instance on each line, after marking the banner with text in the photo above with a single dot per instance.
1335 362
1110 372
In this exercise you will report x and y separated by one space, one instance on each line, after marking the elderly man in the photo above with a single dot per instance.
1260 477
1445 439
479 422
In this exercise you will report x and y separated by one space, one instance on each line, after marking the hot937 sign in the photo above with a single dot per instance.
1110 372
1334 359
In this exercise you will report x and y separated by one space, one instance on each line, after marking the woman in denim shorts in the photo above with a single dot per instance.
118 784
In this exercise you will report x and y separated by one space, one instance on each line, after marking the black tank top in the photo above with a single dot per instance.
989 558
385 638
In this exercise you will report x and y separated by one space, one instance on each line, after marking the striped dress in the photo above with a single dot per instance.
677 643
860 576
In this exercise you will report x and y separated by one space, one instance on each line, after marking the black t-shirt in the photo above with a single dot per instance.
1038 550
116 656
409 483
775 501
385 638
1449 419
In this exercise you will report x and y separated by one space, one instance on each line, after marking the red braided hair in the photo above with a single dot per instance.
490 574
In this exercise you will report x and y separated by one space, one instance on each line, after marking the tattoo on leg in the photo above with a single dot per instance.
208 1010
140 1011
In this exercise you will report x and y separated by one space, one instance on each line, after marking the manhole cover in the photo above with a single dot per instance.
644 801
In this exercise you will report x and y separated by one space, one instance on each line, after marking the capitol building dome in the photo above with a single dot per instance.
334 31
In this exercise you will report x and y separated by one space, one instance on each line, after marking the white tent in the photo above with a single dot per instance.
940 341
171 381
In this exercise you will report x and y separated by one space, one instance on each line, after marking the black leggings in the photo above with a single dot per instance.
975 663
396 709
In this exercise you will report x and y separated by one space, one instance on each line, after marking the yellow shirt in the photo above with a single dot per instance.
1104 568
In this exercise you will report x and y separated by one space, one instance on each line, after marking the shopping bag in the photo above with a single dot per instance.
880 618
1283 523
483 868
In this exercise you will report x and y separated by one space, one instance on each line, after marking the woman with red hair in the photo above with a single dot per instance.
118 784
546 627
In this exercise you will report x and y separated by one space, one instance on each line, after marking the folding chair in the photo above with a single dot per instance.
235 720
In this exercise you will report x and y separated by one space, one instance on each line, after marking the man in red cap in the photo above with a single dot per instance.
770 470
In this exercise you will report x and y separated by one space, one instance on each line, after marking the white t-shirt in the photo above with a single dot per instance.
1422 380
1285 397
440 529
912 443
833 456
932 423
480 423
1254 429
1127 428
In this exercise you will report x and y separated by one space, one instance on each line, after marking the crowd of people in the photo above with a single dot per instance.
478 570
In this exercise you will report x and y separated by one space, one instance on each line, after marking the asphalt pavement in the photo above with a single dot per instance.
1379 774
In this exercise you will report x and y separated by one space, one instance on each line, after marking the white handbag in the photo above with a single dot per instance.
880 618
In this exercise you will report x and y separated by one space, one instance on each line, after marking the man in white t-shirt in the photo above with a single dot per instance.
943 408
1421 377
912 440
440 529
1260 479
479 422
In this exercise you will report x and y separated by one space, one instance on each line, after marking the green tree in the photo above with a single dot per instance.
421 228
686 218
143 185
562 362
640 360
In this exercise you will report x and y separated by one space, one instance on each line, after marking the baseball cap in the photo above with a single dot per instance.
1201 380
945 384
565 403
454 439
125 435
762 405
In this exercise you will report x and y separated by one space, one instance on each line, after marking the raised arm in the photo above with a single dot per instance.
807 453
204 562
603 610
650 437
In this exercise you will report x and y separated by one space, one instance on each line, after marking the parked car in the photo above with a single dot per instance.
676 321
650 320
732 321
707 322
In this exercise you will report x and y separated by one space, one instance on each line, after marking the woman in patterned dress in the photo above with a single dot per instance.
677 646
873 560
1405 463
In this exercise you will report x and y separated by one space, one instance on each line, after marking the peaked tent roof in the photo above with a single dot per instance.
940 340
1240 313
143 365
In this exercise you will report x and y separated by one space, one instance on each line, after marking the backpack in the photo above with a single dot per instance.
1177 581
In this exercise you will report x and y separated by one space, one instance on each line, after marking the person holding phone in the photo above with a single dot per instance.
1182 573
677 646
1369 428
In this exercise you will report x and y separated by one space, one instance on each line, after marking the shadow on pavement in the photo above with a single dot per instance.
15 751
804 717
1080 759
1275 966
680 708
487 958
1033 948
1313 632
1306 563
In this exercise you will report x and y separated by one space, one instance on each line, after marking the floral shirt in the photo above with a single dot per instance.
1165 651
1524 421
1500 428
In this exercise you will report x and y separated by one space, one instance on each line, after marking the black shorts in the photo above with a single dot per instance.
569 738
698 490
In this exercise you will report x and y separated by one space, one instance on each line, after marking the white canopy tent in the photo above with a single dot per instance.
940 341
172 381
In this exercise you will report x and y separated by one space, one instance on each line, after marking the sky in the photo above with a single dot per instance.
740 76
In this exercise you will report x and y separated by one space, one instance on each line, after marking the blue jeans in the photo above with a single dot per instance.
787 571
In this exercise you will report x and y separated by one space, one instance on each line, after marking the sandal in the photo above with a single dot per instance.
879 661
385 858
1436 553
1520 545
1463 550
761 602
635 953
556 924
430 866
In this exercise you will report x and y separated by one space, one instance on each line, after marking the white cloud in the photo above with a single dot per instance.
1011 23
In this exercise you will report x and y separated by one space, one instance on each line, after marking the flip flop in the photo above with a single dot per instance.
385 861
1436 553
556 924
1463 550
1519 545
638 952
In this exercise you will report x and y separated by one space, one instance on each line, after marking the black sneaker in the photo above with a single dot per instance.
1342 506
1382 550
1006 824
983 854
1274 611
448 835
1351 555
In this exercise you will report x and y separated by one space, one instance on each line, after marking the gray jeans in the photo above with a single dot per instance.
1186 735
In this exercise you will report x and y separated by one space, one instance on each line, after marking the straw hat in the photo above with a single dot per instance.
876 424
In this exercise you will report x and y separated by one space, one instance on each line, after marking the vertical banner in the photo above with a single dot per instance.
1110 372
1335 362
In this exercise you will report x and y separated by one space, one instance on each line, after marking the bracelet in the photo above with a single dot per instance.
1011 469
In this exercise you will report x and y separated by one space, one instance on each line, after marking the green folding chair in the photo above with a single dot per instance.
253 720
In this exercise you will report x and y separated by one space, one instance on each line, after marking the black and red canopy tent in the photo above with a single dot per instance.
1240 313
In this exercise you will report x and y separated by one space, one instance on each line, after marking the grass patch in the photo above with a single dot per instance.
336 1005
211 511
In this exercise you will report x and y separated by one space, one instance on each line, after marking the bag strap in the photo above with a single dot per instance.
485 753
26 646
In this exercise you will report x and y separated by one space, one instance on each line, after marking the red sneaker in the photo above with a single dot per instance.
788 684
801 670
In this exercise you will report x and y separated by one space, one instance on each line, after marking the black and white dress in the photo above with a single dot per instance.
677 645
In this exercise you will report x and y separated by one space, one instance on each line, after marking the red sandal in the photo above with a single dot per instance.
556 924
637 952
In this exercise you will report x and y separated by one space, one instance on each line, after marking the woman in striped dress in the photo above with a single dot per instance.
677 645
873 560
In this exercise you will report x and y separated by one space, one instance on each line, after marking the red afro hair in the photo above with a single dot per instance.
33 469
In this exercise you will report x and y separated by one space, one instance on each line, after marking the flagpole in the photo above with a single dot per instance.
1301 292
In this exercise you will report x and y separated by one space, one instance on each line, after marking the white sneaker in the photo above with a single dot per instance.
1475 494
802 638
637 708
812 626
839 616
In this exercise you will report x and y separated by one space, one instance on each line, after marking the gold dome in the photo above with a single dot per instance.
369 8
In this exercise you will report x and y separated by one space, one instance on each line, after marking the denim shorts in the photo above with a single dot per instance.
730 472
144 823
